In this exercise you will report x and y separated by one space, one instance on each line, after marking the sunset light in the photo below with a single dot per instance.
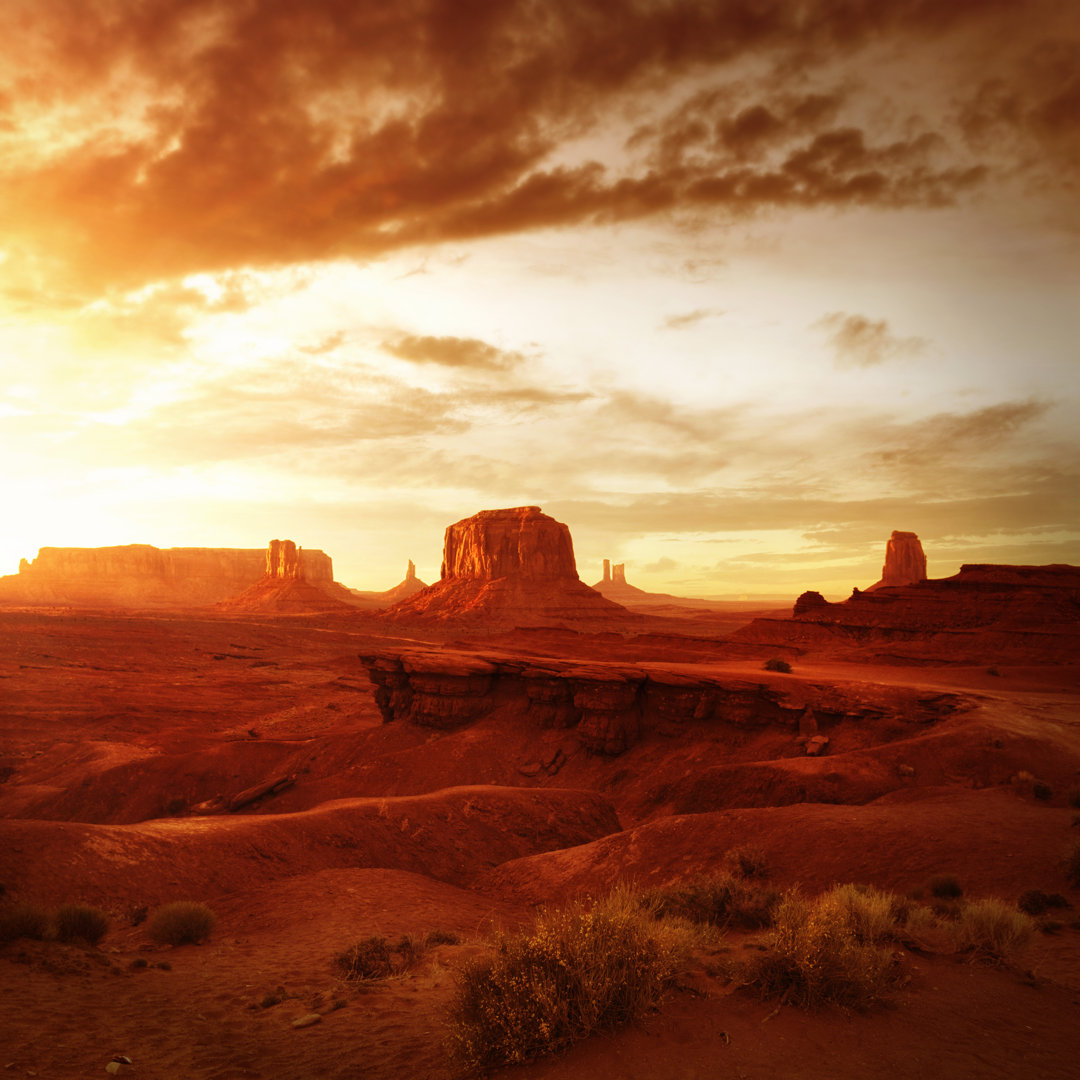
732 289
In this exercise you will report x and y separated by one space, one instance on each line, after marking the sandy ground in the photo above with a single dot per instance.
114 727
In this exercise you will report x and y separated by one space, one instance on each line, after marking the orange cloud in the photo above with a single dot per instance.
211 134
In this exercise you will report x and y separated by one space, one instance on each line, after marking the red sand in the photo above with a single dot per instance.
115 726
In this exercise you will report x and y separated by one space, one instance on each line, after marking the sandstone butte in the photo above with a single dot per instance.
905 563
142 576
287 586
512 566
614 586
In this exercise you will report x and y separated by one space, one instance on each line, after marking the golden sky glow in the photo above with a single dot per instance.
734 289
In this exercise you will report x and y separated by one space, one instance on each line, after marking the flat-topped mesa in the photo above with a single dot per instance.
520 542
905 562
514 566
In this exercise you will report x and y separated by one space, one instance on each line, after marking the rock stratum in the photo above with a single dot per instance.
611 707
513 567
984 613
142 576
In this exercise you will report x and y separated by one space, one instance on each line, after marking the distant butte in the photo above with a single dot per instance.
514 566
292 584
142 576
410 585
905 563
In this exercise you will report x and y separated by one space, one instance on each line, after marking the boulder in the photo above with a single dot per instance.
809 601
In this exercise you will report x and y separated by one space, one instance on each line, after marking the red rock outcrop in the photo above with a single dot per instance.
611 706
410 585
983 614
905 562
514 567
142 576
286 586
614 586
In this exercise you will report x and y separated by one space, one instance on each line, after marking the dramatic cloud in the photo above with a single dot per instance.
690 318
861 342
143 141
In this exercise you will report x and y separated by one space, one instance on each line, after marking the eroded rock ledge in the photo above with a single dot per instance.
612 706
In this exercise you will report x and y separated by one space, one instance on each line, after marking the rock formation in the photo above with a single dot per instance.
610 706
614 586
410 585
283 560
292 583
142 576
983 614
808 601
905 563
513 566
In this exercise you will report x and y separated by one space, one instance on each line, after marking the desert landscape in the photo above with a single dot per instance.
506 740
539 539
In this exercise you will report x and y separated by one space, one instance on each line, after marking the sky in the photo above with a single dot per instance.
734 288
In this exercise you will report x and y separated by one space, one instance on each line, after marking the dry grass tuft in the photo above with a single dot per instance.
23 921
80 922
747 862
719 900
376 958
825 950
991 929
580 969
945 887
183 922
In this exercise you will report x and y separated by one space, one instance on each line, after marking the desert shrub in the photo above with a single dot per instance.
80 922
372 958
1036 902
992 670
443 937
23 921
776 664
945 887
748 862
183 922
1074 797
1072 864
1042 790
577 971
718 900
868 914
376 958
815 955
991 929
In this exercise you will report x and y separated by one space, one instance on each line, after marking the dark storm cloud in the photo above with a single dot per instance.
266 132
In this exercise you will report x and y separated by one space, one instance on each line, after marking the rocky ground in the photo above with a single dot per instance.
246 760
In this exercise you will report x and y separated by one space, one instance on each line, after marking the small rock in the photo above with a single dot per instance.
816 745
307 1021
119 1065
905 770
532 768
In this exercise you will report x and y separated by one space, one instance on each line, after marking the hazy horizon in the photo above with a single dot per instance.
734 290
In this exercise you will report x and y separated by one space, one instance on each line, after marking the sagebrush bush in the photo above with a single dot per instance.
991 928
870 915
1037 902
23 921
80 922
376 958
183 922
815 954
580 969
719 900
776 664
443 937
945 886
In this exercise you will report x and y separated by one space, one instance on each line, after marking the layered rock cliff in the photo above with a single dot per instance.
139 575
905 562
514 567
985 613
612 706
